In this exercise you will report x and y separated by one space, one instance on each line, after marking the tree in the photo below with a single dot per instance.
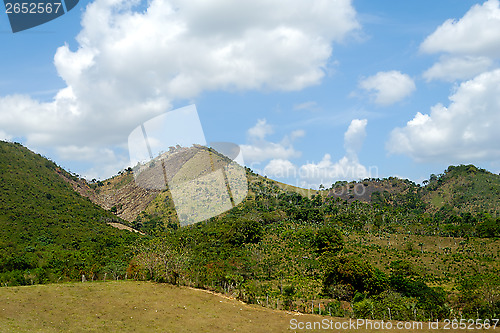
161 260
328 239
350 271
403 268
243 231
489 228
433 178
480 294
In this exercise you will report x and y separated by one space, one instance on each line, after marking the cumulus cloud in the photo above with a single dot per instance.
457 68
263 151
476 33
470 44
259 149
327 171
280 168
388 87
355 136
260 130
132 62
463 132
107 160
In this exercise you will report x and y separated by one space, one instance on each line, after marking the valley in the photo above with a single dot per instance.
370 249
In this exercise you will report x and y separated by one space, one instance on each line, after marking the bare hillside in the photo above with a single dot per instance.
120 194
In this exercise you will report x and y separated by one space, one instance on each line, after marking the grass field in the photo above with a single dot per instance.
132 306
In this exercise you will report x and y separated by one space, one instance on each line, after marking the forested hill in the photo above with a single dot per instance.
458 190
463 189
48 231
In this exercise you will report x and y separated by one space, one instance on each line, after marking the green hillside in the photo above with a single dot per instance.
464 189
49 232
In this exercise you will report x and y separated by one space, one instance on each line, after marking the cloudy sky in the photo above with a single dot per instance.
313 91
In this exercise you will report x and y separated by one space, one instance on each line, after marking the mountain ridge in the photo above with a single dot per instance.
459 189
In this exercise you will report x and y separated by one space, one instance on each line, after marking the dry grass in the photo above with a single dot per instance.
140 307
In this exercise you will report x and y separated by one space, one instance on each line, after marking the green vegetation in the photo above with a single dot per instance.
48 232
463 189
392 255
378 248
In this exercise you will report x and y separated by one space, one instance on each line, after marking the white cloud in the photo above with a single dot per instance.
267 150
326 172
470 44
107 161
476 33
457 68
388 87
347 168
259 149
83 153
131 64
355 135
260 130
280 168
464 132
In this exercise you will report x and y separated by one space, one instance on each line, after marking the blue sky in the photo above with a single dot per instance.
313 91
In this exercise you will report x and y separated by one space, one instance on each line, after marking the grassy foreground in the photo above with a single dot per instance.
142 307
